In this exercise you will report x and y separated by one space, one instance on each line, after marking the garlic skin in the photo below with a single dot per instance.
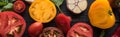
29 1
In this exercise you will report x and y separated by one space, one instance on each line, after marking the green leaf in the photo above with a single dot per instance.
11 1
7 7
3 3
58 3
7 1
1 0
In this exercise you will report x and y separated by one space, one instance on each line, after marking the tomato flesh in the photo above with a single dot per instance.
51 32
80 30
11 24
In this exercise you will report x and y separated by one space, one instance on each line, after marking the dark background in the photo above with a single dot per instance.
82 17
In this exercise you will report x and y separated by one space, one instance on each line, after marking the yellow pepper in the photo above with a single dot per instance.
101 15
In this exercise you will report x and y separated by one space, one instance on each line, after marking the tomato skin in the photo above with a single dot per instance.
6 25
87 32
19 6
63 22
35 29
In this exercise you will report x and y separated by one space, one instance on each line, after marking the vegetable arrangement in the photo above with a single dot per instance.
44 12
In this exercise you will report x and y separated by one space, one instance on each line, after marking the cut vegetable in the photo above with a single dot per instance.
101 14
80 30
42 10
11 24
51 32
77 6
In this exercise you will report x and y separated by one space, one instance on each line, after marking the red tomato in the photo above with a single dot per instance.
51 32
35 29
116 33
80 30
63 22
11 24
19 6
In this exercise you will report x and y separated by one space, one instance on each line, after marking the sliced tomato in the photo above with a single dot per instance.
11 24
80 30
19 6
51 32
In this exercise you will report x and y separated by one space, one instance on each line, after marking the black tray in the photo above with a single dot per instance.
82 17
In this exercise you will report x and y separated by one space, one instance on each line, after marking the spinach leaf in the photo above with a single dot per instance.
6 4
11 1
3 3
58 3
7 1
7 7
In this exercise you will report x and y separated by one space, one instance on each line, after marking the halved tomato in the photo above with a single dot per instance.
51 32
80 30
11 24
42 11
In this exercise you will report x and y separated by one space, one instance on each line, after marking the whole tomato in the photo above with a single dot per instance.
19 6
35 29
80 30
11 24
63 22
